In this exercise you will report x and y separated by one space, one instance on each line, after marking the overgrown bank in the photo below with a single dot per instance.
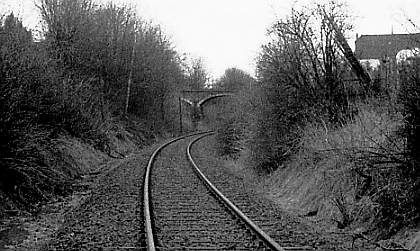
334 148
96 75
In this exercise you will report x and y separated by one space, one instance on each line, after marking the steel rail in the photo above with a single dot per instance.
146 190
264 236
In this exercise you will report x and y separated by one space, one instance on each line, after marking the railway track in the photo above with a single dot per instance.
184 211
290 233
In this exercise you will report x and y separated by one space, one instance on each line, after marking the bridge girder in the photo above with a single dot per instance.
205 100
197 98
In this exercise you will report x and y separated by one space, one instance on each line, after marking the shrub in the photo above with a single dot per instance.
362 160
388 170
77 108
74 82
301 72
22 139
229 138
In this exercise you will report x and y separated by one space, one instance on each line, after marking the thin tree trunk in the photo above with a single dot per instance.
130 75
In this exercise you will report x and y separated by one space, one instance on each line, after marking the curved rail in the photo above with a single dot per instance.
146 188
265 237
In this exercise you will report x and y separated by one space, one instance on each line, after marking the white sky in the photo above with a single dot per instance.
229 33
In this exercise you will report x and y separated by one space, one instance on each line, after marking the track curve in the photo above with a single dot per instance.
146 192
191 213
265 237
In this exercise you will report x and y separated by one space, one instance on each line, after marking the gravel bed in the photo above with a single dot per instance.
187 216
108 214
290 231
111 217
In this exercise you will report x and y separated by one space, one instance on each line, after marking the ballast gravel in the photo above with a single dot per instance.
111 217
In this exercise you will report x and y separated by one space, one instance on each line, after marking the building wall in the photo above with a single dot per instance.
385 46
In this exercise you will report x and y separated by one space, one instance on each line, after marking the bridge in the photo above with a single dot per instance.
196 99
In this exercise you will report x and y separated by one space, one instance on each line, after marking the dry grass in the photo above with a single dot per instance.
59 163
320 177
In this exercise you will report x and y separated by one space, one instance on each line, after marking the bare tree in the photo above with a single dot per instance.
234 80
197 74
301 73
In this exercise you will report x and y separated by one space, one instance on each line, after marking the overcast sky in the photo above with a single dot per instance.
229 33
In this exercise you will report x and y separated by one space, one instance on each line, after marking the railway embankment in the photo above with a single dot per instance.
103 210
72 170
288 224
341 178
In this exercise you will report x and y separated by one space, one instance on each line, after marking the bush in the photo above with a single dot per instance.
24 77
78 109
410 100
229 138
388 170
74 82
301 72
410 170
398 193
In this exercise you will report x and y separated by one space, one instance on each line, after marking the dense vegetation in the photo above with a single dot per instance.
93 67
96 67
301 90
